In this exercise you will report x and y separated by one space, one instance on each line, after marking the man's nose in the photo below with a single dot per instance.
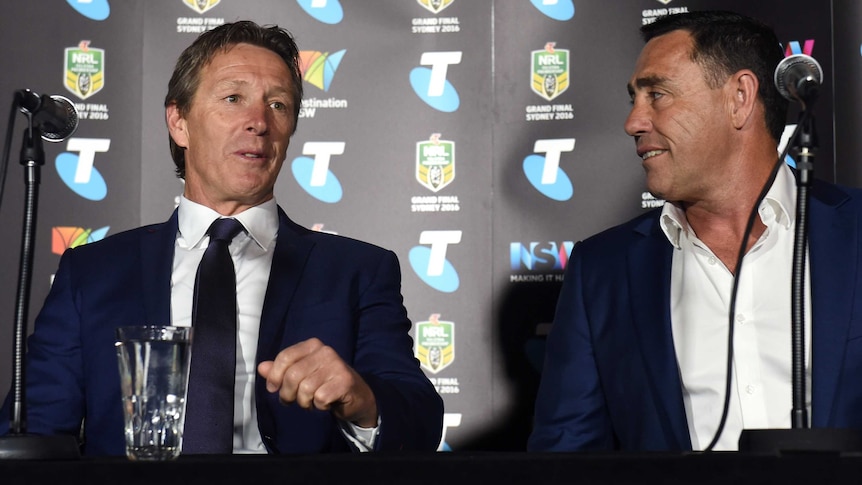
257 118
638 121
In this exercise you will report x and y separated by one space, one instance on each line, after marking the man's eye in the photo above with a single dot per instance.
233 98
655 95
278 105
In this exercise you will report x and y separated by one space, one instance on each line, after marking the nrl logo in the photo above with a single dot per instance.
435 6
550 71
435 162
435 343
84 68
201 6
665 2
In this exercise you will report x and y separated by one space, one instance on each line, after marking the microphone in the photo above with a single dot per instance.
798 78
55 115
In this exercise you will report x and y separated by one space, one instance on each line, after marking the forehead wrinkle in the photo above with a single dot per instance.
231 83
239 83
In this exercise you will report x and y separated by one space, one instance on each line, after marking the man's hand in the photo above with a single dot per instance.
312 375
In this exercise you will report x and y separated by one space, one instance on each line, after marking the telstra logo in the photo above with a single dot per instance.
450 420
545 173
431 84
561 10
78 172
431 265
326 11
318 68
313 174
92 9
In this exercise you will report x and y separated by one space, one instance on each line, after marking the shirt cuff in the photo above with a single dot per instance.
362 438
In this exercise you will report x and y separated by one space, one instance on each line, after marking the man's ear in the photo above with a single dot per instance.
744 86
177 125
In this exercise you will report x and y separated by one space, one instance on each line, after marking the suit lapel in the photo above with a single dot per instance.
649 261
288 263
157 259
833 249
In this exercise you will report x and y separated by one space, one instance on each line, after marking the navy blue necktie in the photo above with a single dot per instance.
209 405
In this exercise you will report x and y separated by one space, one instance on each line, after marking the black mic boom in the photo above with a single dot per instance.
55 115
798 78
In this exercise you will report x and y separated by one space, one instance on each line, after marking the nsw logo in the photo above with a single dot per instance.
318 68
78 172
544 172
313 173
92 9
63 237
326 11
431 265
431 85
793 47
561 10
536 256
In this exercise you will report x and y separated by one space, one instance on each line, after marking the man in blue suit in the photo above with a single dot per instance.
323 357
637 357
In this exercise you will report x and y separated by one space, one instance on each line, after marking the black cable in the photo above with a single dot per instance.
740 256
4 163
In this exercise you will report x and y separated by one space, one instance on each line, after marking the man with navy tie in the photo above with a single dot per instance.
323 360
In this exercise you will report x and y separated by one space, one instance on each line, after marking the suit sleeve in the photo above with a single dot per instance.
410 410
571 414
54 389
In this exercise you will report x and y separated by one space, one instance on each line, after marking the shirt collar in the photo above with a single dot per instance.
779 206
260 221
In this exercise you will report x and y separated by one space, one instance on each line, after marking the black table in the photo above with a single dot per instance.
445 468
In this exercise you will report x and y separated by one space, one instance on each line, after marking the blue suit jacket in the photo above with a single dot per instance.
611 379
345 292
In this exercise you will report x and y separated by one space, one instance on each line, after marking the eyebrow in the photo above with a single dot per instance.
238 83
645 82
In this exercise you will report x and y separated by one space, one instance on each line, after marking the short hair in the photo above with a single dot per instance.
726 42
186 76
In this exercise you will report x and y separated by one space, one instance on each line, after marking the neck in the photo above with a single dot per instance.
720 222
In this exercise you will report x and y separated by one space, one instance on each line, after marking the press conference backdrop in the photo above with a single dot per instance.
478 139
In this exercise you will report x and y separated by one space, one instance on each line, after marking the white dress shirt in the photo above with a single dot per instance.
701 287
251 252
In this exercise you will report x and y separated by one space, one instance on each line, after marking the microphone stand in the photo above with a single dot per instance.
806 144
18 444
801 437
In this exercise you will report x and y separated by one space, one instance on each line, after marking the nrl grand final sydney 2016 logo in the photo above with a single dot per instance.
435 162
84 69
435 343
549 71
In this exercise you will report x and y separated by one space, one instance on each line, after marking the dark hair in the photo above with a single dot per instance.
726 42
186 77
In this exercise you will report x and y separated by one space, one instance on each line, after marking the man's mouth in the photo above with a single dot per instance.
651 154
